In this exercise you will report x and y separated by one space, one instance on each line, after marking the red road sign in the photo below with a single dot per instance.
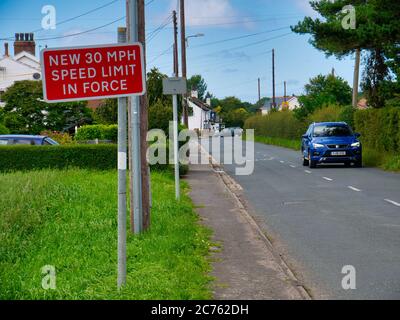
93 72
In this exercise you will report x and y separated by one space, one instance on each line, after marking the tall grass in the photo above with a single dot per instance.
68 219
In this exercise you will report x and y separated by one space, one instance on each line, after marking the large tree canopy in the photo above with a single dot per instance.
377 25
376 31
323 91
25 111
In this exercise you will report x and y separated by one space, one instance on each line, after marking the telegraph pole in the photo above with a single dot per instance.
273 80
183 58
176 63
284 95
259 90
356 77
135 157
175 110
144 125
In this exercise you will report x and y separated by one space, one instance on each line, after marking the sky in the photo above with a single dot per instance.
233 53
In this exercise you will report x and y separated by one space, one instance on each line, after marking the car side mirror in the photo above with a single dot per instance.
305 136
357 135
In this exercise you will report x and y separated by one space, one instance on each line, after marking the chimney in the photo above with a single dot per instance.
208 102
6 53
194 94
24 42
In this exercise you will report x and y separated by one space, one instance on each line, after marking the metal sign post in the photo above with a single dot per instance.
135 123
175 86
122 160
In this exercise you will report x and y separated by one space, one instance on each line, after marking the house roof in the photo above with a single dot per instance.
199 103
278 100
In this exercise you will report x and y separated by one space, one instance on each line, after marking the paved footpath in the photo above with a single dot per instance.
245 266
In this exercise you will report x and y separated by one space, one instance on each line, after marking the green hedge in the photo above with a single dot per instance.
277 125
99 157
101 132
3 129
379 128
58 157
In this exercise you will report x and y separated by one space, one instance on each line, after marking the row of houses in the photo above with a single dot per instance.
22 66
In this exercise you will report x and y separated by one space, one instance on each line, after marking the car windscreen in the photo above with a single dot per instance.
327 130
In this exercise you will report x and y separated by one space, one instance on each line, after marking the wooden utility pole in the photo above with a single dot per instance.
259 90
176 63
273 80
356 77
284 94
130 163
144 124
183 58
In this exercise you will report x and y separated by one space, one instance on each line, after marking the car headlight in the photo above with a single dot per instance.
356 144
318 145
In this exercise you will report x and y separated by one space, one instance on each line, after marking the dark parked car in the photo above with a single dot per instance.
331 142
18 139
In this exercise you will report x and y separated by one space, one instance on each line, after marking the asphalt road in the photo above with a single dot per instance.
327 218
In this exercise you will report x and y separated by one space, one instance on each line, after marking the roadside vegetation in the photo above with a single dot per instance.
67 219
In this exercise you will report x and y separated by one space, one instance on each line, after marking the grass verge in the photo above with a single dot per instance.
67 219
371 158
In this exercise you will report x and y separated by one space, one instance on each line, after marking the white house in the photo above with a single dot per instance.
291 103
200 113
22 66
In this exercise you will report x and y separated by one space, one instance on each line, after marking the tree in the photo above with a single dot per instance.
197 83
322 91
25 112
236 118
377 29
155 87
107 112
160 114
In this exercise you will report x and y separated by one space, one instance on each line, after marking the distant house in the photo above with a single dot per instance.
289 102
22 66
200 113
362 104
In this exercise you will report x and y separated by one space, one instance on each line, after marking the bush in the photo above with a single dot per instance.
101 132
61 138
277 125
99 157
3 129
379 128
329 113
58 157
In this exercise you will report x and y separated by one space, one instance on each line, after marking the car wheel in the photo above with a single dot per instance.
311 163
347 164
305 162
358 163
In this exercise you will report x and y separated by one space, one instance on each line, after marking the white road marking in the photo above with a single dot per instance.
282 161
354 188
327 179
393 202
307 171
293 166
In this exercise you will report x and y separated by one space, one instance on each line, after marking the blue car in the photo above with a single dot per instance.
15 139
331 142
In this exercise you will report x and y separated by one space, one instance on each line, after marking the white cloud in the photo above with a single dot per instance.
304 5
213 13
